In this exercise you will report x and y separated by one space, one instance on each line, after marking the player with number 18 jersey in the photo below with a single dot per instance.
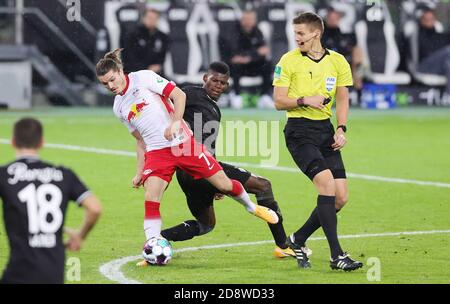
35 197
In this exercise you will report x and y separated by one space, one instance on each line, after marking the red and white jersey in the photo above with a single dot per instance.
144 105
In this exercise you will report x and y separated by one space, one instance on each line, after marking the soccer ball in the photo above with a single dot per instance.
157 251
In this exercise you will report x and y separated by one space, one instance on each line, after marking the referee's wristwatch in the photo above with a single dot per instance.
343 127
301 102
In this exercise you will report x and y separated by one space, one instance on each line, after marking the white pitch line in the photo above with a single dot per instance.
354 175
111 270
80 148
273 168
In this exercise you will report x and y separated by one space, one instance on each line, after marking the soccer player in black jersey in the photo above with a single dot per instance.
35 196
201 109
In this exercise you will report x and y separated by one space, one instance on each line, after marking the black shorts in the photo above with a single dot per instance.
309 142
200 193
45 269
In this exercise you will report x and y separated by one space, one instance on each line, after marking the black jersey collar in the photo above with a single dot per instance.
210 98
28 157
316 60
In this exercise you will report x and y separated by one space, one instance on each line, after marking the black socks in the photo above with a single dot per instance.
182 232
323 215
277 230
328 221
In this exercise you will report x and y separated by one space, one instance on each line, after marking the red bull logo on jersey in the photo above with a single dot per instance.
136 110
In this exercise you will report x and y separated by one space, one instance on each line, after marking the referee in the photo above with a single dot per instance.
307 80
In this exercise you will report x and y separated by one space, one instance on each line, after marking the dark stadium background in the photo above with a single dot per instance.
62 54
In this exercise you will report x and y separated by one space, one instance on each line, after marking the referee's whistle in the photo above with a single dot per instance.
326 101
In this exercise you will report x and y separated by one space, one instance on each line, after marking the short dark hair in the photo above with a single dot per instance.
331 9
28 133
310 18
151 10
425 9
249 11
219 67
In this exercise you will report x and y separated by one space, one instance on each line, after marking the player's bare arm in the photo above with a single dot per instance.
281 99
140 152
283 102
342 106
178 98
93 210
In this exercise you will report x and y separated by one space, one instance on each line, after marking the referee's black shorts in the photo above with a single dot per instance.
200 193
309 142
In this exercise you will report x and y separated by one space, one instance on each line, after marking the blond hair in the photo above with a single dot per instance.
111 61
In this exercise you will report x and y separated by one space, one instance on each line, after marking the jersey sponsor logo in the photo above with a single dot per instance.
142 42
158 45
277 74
159 80
42 241
329 83
242 170
20 173
136 110
147 172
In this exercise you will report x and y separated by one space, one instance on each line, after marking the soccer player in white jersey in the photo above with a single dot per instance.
152 109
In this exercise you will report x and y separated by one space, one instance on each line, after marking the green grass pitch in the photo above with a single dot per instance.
411 144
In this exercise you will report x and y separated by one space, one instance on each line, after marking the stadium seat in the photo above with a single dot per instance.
411 34
375 34
176 64
202 32
292 10
348 12
194 42
273 25
128 17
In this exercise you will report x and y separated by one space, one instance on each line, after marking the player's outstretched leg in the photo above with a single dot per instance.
236 191
262 188
203 224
